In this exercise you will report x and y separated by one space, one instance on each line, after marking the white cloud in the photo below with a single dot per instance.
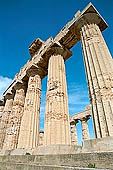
4 83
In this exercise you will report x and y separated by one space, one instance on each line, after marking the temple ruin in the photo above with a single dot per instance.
20 104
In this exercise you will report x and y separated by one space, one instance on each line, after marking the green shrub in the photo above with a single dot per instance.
91 165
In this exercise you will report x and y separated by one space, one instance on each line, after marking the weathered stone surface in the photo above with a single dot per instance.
35 46
1 137
81 160
99 70
85 131
87 112
1 111
73 132
41 137
29 130
14 121
56 129
70 33
98 145
83 117
56 149
5 117
20 166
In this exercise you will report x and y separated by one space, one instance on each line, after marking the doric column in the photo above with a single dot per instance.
99 70
30 125
1 114
5 117
57 126
12 132
85 130
73 132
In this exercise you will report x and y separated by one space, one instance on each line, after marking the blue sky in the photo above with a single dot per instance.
22 21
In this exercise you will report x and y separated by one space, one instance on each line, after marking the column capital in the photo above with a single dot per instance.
58 49
73 122
2 103
90 15
86 118
20 85
89 18
9 96
36 70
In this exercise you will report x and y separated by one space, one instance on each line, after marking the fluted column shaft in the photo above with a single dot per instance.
13 128
1 131
57 127
85 130
74 133
99 70
5 118
1 111
30 125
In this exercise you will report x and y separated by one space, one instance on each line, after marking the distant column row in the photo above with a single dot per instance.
20 118
85 130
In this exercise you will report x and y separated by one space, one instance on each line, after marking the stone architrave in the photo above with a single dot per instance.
85 130
30 124
99 70
5 117
13 127
57 126
73 132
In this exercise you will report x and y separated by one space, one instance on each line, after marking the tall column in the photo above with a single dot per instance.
99 70
13 128
74 132
1 114
30 125
85 130
5 117
57 126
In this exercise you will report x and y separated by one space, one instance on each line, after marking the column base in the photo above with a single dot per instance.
45 150
89 146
